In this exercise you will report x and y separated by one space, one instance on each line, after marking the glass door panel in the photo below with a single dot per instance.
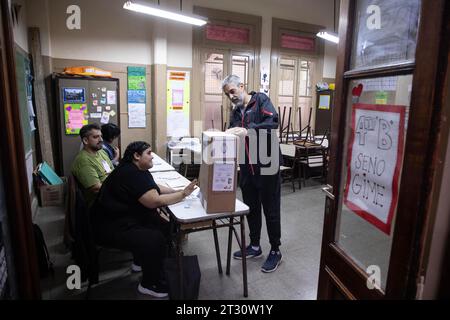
305 95
212 90
377 117
286 87
386 32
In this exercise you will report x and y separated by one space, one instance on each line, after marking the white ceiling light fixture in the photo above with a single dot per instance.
327 35
197 21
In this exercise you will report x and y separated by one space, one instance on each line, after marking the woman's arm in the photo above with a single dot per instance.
151 199
166 190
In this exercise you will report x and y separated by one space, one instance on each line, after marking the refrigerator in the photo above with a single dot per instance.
81 100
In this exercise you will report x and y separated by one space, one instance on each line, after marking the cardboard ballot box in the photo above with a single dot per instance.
52 195
218 172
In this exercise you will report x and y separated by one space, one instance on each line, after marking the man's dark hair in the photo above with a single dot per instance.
134 147
110 131
86 129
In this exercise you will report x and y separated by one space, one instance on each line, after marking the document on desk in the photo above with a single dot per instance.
176 184
171 179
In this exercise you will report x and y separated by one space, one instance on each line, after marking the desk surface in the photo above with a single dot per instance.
160 165
191 210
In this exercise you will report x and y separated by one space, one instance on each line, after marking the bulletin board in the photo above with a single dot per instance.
82 100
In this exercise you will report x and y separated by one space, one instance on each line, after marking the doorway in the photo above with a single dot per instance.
296 78
218 64
382 151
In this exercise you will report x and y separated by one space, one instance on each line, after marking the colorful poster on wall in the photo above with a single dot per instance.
74 95
178 99
324 102
75 117
136 96
374 162
136 78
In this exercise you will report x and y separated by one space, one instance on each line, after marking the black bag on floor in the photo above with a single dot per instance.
44 262
191 278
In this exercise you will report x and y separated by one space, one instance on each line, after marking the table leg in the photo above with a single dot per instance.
244 257
216 243
180 263
230 238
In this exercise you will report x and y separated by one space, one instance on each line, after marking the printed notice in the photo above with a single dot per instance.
136 115
223 177
111 97
374 162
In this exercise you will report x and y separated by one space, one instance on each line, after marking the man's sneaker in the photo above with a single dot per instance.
157 291
272 262
249 253
136 268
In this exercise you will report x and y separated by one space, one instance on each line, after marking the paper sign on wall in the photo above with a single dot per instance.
374 162
324 102
75 117
136 115
178 98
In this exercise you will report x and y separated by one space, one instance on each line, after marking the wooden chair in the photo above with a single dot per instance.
288 152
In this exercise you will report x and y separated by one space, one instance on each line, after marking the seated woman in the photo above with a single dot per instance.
110 132
125 215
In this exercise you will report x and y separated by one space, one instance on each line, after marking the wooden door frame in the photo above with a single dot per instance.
423 128
13 161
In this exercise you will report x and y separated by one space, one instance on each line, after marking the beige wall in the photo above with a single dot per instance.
20 29
112 36
119 70
318 12
108 32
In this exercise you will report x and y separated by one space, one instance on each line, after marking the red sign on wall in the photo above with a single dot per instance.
227 34
296 42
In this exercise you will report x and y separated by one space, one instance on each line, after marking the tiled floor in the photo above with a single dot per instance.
296 278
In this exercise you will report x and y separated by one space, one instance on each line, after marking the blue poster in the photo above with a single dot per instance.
136 96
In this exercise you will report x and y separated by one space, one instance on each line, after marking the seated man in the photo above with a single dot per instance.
92 165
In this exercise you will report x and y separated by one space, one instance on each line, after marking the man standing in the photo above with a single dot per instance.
255 111
92 165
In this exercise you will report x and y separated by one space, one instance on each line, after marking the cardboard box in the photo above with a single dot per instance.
52 195
218 172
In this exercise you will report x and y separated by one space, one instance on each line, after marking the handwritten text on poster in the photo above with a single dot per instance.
375 157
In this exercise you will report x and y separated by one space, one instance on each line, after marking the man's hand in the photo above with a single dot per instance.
238 131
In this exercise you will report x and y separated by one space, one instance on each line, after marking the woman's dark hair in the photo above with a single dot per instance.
110 131
134 147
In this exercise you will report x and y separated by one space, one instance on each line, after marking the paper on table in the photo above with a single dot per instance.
176 184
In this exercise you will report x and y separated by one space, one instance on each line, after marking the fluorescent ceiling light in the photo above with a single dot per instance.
164 13
328 36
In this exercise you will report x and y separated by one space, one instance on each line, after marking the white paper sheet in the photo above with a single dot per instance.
136 115
223 177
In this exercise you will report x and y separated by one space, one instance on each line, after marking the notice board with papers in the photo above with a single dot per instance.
82 100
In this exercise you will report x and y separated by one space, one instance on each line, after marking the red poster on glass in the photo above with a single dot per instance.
375 156
227 34
296 42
